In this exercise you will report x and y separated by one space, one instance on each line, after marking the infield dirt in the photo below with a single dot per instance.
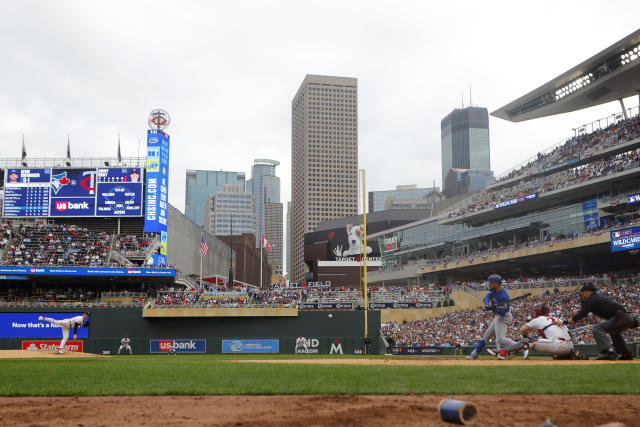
410 410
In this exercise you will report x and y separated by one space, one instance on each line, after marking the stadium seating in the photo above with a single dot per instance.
130 245
564 179
5 234
57 245
71 297
580 146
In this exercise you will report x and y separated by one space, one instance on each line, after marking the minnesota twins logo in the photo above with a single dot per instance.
58 181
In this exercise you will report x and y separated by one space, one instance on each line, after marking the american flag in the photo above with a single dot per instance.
203 246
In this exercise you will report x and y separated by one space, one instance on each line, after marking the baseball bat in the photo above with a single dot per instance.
523 296
492 305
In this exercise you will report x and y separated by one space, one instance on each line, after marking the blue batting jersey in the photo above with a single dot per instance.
501 299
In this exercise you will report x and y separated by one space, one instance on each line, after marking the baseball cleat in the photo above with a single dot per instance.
491 352
608 355
473 356
525 354
59 351
40 317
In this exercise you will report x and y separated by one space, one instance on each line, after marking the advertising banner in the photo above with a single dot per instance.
27 325
625 240
515 200
250 346
590 212
416 350
88 271
377 305
51 346
632 199
73 206
326 306
157 182
180 346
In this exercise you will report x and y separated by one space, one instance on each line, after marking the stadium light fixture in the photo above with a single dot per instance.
631 55
573 86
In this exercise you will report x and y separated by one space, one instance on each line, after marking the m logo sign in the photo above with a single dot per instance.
336 347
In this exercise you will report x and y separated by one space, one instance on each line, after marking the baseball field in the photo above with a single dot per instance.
79 390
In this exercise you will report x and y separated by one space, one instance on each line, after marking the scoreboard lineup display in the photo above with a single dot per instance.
73 192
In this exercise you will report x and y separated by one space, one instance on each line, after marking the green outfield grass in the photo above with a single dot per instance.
209 374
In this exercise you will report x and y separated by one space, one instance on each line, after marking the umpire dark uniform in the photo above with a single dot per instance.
617 320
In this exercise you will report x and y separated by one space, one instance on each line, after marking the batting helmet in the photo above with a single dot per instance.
541 309
495 278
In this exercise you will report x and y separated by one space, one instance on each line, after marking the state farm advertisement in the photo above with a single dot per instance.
51 346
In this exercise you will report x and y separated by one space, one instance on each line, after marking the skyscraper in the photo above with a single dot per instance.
324 158
273 233
201 184
381 200
231 204
465 140
265 187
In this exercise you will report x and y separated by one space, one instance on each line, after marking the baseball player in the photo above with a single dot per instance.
301 343
125 344
67 324
458 349
555 340
497 300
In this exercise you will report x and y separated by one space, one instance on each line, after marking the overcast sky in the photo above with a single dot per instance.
227 71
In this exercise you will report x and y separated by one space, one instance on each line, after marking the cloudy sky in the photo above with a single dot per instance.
227 71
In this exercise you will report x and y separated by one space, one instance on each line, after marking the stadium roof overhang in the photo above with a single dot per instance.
609 75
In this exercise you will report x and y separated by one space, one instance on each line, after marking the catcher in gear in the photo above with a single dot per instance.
553 339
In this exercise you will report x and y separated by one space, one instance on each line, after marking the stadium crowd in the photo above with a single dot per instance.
131 244
466 327
76 295
612 164
58 245
579 147
5 234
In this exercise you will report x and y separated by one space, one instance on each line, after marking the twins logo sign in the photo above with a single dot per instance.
178 346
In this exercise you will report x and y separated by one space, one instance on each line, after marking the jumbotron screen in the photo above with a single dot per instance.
73 192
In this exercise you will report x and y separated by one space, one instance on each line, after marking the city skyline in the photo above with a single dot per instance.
225 112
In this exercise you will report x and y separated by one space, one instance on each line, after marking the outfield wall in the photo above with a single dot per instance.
108 325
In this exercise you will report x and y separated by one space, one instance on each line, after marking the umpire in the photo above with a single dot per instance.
617 320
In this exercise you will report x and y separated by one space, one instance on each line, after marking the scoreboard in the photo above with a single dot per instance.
73 192
26 192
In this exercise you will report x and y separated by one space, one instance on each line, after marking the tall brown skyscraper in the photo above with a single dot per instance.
324 158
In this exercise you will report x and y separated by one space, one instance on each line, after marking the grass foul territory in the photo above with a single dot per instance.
194 375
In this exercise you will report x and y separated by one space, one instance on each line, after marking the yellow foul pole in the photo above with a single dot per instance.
364 251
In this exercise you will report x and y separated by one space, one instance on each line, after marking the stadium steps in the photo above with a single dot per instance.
183 279
152 248
120 259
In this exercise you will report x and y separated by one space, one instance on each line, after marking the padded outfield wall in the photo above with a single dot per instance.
109 325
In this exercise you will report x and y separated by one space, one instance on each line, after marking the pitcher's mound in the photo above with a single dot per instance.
30 354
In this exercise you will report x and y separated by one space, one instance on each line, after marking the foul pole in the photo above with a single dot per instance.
364 251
